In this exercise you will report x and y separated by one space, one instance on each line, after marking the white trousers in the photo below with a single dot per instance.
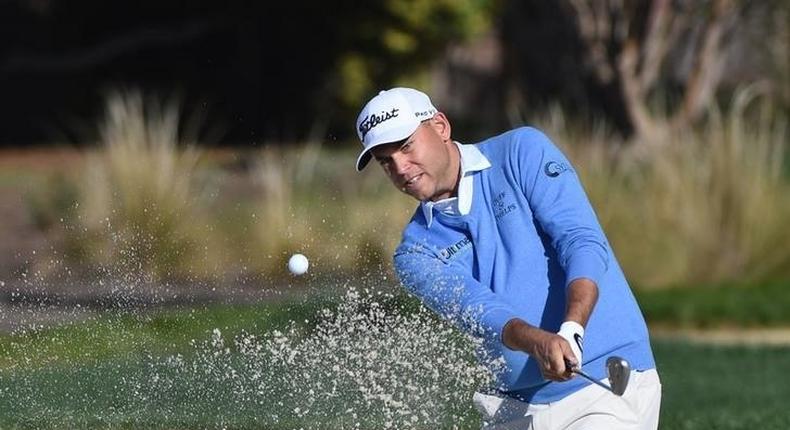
591 408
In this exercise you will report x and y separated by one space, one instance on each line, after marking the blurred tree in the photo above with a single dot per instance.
266 70
395 42
395 38
631 42
649 66
288 71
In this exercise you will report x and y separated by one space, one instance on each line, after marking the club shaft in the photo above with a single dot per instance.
591 379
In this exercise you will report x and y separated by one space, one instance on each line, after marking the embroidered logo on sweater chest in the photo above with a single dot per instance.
456 247
502 206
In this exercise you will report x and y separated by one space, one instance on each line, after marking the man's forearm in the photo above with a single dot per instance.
554 352
582 294
520 336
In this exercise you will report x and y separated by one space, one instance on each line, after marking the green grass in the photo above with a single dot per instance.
709 387
728 305
116 336
165 370
88 375
704 388
190 369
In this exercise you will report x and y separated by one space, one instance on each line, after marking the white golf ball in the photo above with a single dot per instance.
298 264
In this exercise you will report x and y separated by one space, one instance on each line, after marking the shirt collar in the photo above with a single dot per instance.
472 160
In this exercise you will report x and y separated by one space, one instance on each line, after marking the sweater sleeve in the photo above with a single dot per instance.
560 205
452 293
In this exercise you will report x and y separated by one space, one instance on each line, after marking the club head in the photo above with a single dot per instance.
618 370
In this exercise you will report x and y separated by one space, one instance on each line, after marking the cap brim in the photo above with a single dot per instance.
363 160
365 156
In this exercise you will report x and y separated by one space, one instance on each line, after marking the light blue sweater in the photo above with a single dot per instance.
529 233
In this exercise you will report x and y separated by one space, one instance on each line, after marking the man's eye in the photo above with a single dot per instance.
406 147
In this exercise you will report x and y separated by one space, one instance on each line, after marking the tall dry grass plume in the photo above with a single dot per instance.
138 203
143 210
709 205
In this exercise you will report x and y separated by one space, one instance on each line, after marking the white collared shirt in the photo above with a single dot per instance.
472 160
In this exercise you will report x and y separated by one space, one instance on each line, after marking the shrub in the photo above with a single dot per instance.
139 208
709 205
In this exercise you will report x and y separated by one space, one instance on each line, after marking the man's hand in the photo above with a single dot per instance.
550 350
553 351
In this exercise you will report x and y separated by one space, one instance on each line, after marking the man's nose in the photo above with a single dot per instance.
400 163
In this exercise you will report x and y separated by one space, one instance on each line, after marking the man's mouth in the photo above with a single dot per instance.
411 181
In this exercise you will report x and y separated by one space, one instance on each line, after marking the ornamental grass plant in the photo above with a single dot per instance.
705 206
139 207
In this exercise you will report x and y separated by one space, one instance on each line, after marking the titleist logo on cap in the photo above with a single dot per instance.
373 120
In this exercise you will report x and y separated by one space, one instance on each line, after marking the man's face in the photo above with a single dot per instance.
426 164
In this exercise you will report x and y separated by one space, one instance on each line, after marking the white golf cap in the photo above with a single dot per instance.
391 116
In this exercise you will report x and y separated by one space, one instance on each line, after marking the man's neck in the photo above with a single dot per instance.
455 166
457 161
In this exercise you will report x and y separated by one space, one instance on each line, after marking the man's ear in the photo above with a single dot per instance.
441 124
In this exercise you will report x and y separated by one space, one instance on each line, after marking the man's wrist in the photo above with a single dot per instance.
571 327
573 333
518 335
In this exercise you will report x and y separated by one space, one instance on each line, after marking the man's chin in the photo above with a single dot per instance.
415 194
412 195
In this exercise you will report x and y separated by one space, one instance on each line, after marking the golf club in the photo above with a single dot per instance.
617 370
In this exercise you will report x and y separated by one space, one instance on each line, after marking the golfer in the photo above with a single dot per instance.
506 245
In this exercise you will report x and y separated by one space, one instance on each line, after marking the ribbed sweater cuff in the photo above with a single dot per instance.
585 265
